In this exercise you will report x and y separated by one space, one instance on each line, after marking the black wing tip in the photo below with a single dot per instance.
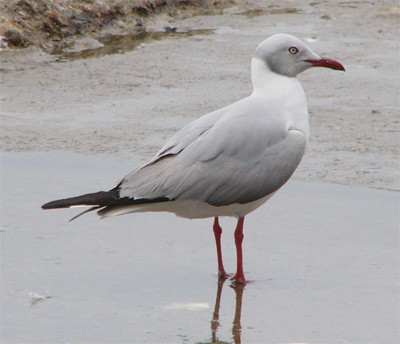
54 205
100 199
91 199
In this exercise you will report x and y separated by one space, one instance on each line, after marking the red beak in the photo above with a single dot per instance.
327 63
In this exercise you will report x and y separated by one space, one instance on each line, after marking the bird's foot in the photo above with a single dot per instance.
224 275
238 278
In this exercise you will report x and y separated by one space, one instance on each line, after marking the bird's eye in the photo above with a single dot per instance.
293 50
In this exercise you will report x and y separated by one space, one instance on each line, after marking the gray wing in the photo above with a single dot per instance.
189 134
238 154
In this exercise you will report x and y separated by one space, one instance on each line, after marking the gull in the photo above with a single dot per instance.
230 161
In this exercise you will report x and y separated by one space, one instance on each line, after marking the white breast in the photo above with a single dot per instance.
192 209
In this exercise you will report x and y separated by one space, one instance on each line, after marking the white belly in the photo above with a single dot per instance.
192 209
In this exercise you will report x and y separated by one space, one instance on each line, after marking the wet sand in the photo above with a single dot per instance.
324 257
130 103
325 267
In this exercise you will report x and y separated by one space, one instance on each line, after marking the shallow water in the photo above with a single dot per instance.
323 259
119 44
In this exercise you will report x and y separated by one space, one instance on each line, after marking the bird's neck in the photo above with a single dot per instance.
264 80
286 93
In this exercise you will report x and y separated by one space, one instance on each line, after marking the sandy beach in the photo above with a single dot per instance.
322 255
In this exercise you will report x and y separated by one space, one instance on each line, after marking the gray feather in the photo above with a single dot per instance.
254 158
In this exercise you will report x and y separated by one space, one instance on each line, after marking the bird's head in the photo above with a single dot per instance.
287 55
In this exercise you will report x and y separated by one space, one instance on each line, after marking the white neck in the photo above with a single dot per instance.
263 77
284 90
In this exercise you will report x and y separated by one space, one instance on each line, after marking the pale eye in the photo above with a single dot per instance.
293 50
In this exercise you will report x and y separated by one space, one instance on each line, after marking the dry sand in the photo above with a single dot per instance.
129 103
324 257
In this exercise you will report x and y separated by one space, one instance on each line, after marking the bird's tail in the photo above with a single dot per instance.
99 200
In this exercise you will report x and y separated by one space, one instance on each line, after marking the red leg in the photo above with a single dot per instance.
239 276
217 233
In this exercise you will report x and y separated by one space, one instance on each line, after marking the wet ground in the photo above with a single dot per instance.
323 259
131 102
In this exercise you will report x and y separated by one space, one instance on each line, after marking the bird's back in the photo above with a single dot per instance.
238 154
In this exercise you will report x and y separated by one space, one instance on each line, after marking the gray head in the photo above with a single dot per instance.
287 55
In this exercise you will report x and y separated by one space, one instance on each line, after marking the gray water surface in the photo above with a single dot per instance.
323 259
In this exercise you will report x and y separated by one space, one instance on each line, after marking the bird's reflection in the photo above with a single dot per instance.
236 328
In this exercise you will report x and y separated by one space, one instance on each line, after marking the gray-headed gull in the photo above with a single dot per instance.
230 161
